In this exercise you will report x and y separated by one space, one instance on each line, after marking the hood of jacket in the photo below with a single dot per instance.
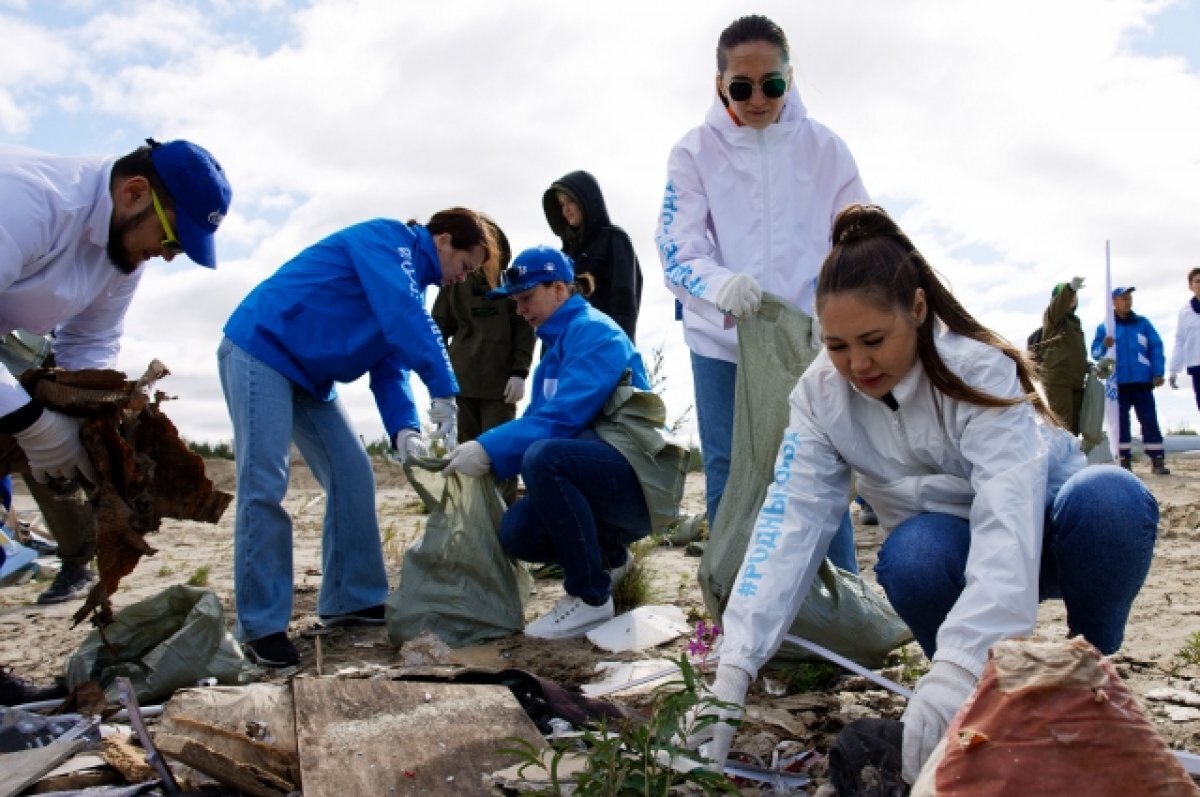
581 186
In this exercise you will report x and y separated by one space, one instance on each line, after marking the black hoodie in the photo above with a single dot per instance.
599 248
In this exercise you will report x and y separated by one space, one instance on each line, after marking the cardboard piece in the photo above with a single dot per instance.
430 739
644 627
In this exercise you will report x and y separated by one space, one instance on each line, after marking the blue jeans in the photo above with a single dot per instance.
269 412
1140 397
713 381
583 504
1096 552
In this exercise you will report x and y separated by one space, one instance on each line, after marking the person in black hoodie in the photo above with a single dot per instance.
577 214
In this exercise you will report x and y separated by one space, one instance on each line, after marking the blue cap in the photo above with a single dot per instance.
532 267
200 193
1120 291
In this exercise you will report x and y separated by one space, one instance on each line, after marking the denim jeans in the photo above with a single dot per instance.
1096 552
713 381
1139 397
269 412
583 504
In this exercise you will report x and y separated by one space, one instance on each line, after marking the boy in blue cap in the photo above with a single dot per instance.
74 231
1140 369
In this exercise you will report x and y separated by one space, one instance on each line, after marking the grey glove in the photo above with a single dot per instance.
739 297
469 459
443 414
514 390
53 448
1076 283
410 445
729 687
938 696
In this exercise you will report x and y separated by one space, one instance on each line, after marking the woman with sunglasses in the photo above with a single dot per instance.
987 502
348 306
589 493
750 199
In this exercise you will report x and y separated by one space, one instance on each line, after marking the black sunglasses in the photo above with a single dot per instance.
742 89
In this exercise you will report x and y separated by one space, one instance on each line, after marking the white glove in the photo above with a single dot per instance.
1174 381
729 687
443 414
469 459
52 446
410 445
1076 283
514 391
739 296
939 695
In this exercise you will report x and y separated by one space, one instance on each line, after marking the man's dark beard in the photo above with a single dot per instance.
121 257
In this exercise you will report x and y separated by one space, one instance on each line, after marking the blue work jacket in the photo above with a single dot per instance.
1139 350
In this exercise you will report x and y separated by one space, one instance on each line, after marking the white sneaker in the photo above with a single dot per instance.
570 617
620 571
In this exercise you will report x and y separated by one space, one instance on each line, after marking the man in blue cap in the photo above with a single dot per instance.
74 232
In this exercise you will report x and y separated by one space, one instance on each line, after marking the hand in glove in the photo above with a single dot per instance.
1076 283
739 297
939 695
52 446
469 459
815 338
514 391
1174 382
410 445
443 414
729 687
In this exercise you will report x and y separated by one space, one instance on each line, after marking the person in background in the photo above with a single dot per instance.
74 232
750 199
491 348
577 214
1186 354
350 305
987 502
1062 354
585 498
1140 368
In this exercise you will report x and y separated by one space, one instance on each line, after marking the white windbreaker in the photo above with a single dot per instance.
998 468
758 202
55 273
1186 353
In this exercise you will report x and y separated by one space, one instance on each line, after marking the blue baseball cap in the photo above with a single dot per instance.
200 193
1121 291
532 267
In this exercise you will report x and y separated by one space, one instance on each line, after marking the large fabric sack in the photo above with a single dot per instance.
457 582
166 642
840 611
1091 420
1051 718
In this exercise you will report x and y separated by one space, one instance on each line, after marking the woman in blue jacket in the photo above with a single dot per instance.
583 501
1140 368
350 305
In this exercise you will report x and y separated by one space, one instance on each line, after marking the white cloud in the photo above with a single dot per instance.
1013 138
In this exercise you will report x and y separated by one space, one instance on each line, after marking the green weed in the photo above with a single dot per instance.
200 577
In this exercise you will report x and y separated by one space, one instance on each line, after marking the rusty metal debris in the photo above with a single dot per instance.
145 470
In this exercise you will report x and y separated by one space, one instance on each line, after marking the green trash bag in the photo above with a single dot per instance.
1091 420
457 582
840 612
166 642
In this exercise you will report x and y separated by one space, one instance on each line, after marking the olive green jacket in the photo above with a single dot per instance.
488 342
1063 348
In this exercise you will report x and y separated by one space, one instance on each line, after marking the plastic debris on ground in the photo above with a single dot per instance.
644 627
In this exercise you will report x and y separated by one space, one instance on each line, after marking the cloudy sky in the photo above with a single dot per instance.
1011 139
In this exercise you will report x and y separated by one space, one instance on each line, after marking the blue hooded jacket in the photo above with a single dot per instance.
1138 347
585 355
353 304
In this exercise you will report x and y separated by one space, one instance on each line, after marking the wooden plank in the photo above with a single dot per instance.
223 769
23 768
402 738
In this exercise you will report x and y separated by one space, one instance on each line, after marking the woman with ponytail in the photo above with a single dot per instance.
987 502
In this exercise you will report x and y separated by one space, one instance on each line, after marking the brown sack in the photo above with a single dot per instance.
1051 718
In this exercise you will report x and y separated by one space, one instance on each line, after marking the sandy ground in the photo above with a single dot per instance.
35 640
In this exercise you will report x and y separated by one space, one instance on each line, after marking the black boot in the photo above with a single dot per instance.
70 583
16 691
1159 467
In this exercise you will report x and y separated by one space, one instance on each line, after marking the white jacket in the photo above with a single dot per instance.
55 273
758 202
998 468
1186 353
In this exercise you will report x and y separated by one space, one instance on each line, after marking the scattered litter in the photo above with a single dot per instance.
631 677
644 627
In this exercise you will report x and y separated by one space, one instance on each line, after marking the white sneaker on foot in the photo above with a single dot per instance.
570 617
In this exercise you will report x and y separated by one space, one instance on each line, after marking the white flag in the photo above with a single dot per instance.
1111 403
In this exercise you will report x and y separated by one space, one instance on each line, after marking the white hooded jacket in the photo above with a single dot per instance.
757 202
997 467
